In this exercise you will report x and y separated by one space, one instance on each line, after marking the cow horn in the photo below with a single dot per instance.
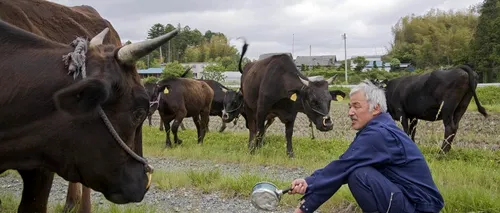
305 82
99 38
129 54
330 80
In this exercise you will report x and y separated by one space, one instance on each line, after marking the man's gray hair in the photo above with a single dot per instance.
374 95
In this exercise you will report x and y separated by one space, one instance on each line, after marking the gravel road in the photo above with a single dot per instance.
178 200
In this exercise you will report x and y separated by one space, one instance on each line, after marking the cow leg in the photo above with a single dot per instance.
413 128
161 124
261 128
36 189
404 123
197 123
205 118
182 126
223 127
235 120
269 122
166 123
250 122
86 204
450 129
312 130
175 128
149 119
288 136
72 196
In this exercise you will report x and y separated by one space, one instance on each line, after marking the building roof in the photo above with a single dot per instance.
151 71
323 60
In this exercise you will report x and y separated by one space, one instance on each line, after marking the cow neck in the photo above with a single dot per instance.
157 101
76 66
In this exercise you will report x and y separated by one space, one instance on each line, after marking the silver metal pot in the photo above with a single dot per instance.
266 196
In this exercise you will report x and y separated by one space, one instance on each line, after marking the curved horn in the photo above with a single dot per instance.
305 82
99 38
132 52
330 80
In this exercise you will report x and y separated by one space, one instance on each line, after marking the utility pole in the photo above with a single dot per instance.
310 50
345 55
293 43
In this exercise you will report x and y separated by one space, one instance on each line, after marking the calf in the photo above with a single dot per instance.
184 97
272 86
152 89
438 95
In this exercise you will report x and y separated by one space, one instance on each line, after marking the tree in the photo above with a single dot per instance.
360 62
375 65
174 69
438 38
213 75
486 43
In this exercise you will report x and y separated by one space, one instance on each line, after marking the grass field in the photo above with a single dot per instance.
468 178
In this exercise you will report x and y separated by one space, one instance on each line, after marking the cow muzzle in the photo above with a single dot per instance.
327 122
225 116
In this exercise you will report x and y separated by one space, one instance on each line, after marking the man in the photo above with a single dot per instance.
383 167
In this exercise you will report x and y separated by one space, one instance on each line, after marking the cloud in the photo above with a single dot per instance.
274 26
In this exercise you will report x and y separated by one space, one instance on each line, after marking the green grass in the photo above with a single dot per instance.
467 178
10 203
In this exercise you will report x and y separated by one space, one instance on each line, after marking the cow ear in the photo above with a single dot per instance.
82 97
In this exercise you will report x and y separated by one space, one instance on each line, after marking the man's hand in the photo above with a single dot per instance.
299 186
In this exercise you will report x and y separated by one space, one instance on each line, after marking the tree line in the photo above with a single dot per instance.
438 39
190 45
441 39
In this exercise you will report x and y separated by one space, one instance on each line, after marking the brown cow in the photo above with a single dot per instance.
62 24
47 114
184 97
272 86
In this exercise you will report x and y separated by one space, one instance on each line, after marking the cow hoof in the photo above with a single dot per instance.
178 141
168 145
291 155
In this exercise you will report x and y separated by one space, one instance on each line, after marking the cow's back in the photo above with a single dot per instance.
55 21
196 95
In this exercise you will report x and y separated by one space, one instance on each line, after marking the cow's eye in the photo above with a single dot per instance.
139 115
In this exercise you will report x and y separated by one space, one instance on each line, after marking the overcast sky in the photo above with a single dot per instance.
269 26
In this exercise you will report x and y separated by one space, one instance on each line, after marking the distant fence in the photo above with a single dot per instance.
352 85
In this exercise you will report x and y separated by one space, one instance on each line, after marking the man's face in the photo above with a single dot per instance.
359 110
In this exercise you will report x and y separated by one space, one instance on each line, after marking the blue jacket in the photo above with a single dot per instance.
384 146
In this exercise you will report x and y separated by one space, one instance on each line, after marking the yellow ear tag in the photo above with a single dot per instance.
339 98
165 91
293 97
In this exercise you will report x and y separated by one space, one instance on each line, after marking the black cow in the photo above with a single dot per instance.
438 95
272 86
217 108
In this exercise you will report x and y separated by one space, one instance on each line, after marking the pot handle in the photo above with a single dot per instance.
286 190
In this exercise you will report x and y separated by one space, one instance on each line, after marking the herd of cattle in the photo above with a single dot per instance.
76 107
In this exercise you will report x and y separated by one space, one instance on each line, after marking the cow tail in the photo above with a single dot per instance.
472 81
243 51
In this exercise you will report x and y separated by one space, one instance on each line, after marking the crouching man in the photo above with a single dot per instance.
383 167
